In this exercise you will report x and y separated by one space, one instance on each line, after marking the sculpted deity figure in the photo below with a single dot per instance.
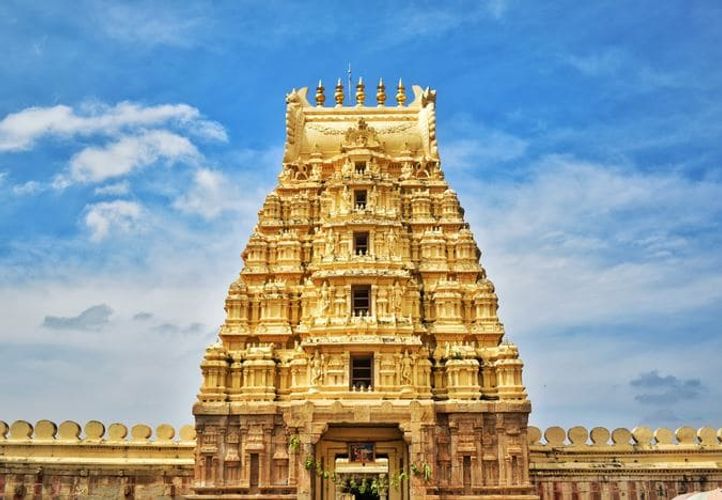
391 240
406 170
329 249
382 302
381 244
398 296
327 204
336 244
373 198
340 301
406 369
317 369
345 204
325 301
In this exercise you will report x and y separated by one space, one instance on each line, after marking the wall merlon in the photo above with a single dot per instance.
639 438
94 432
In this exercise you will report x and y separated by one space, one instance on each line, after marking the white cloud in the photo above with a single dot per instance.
472 144
575 241
606 62
96 164
178 26
626 70
114 189
493 147
439 18
118 215
209 196
213 193
19 131
28 188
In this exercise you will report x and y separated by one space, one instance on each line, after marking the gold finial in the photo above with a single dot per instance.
400 93
338 94
360 92
320 96
381 93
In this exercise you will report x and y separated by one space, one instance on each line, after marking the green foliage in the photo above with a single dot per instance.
426 472
398 478
309 463
422 470
294 443
380 484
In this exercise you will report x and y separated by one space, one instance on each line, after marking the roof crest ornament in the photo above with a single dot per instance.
361 136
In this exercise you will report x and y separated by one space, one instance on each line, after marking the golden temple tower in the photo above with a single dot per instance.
361 355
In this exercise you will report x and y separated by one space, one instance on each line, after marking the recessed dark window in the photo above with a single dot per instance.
360 199
361 299
361 243
362 371
360 167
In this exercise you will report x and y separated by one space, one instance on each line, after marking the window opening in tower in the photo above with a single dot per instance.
361 299
360 199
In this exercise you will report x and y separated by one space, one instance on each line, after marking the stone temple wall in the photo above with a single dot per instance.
63 461
639 464
66 461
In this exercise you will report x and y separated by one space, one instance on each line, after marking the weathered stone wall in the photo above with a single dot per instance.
51 461
622 464
65 461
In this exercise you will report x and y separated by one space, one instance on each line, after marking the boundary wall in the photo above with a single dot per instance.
66 461
641 464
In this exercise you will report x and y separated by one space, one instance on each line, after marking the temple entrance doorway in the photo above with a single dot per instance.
361 463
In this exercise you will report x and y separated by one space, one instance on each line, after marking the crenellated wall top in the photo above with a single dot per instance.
94 432
641 437
320 133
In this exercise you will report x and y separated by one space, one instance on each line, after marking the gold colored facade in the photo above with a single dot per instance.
362 320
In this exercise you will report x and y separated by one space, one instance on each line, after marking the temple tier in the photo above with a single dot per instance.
361 352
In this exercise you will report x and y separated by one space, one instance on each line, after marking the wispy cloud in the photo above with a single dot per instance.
208 196
96 164
213 193
20 130
142 316
93 318
558 229
118 215
113 189
665 390
157 24
630 71
607 62
438 19
28 188
470 144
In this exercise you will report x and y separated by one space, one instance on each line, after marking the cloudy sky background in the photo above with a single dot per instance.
137 142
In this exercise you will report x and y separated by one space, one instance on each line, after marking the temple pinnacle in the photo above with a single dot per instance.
320 96
338 93
400 93
381 93
360 92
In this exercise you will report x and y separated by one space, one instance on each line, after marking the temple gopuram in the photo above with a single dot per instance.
361 356
361 343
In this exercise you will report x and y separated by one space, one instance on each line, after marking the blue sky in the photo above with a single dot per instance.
138 139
